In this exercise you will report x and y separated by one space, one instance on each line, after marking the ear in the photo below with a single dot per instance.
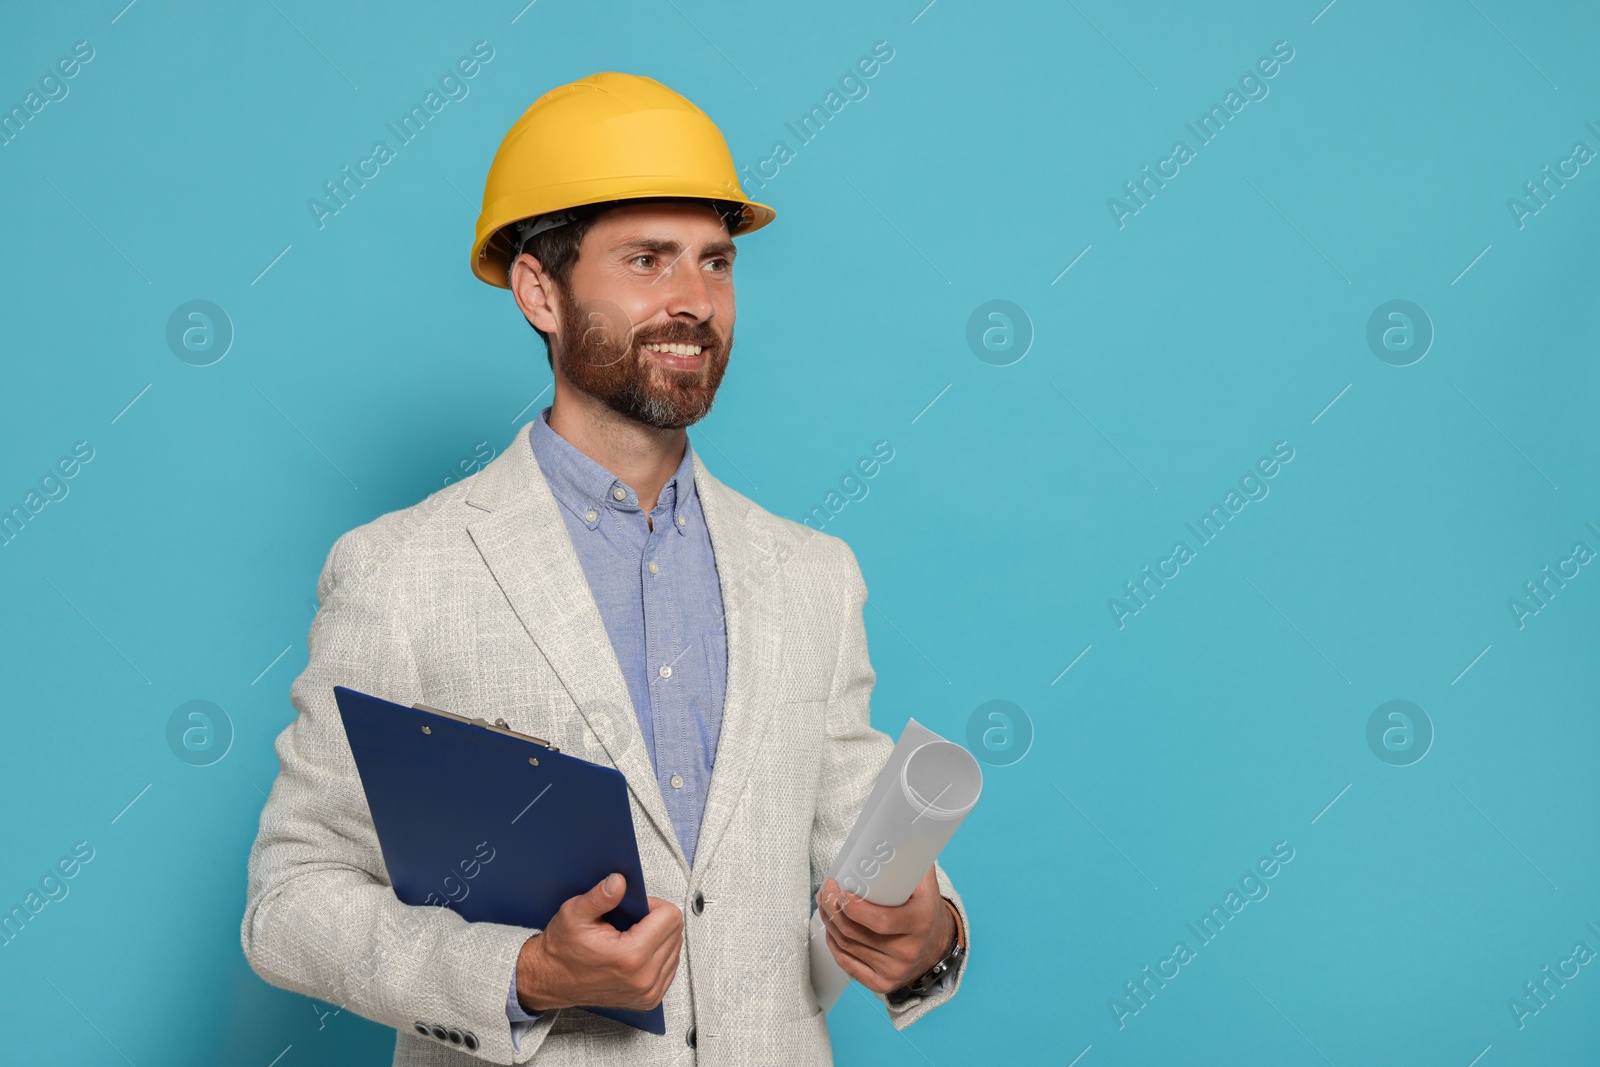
535 293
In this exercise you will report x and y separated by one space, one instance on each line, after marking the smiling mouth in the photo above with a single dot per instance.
673 354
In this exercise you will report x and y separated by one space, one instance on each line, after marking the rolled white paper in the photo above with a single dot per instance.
919 800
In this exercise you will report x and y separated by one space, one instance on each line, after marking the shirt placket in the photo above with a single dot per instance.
662 641
633 544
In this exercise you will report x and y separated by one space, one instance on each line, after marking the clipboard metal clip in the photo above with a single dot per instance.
498 726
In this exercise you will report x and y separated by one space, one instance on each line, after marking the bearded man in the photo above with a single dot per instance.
595 585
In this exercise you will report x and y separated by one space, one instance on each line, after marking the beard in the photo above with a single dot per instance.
602 353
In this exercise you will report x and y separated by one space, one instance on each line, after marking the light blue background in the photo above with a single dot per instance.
1224 317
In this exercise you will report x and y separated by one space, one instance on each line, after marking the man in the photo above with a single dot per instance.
596 586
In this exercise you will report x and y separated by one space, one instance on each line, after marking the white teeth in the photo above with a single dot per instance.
674 349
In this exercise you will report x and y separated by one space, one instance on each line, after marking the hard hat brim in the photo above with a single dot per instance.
490 253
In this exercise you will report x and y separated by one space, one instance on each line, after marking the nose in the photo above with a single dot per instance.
688 296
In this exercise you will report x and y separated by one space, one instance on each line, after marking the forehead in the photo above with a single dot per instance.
685 224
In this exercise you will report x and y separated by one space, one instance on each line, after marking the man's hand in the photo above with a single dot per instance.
881 947
580 959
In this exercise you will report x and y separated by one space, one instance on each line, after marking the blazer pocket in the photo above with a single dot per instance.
800 690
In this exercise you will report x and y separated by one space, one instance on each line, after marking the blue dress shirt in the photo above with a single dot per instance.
657 590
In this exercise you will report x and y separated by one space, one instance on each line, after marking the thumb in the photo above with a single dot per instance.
605 895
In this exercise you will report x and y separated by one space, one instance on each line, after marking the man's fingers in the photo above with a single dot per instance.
854 967
651 967
663 965
837 899
844 952
843 924
886 957
666 973
665 957
881 918
865 954
604 896
658 927
666 934
854 934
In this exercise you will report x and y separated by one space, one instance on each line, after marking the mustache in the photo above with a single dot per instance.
680 334
604 336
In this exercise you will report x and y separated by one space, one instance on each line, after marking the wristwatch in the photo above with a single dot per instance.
923 985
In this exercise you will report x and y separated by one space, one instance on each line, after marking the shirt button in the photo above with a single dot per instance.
589 516
653 568
682 521
619 493
677 781
665 671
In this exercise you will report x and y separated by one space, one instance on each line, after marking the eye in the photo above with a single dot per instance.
644 259
721 264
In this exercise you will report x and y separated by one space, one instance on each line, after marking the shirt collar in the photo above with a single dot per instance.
587 489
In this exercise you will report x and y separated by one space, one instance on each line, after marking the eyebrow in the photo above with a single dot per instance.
672 247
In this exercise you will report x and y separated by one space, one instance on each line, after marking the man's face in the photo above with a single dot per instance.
647 326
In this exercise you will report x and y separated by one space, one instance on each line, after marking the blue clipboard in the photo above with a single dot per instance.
496 825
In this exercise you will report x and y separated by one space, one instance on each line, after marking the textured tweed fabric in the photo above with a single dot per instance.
474 601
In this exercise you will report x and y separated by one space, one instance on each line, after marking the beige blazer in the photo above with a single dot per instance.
474 601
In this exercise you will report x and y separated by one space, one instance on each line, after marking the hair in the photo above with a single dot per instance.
556 249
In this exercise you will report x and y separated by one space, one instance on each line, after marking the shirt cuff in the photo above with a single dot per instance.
520 1020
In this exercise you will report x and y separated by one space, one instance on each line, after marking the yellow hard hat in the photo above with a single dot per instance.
606 137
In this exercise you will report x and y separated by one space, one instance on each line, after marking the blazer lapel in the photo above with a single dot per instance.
752 597
525 543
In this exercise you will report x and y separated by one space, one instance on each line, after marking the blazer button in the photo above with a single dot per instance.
470 1039
699 902
454 1035
440 1033
422 1028
690 1038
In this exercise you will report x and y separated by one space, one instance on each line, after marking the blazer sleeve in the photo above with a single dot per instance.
320 916
853 756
